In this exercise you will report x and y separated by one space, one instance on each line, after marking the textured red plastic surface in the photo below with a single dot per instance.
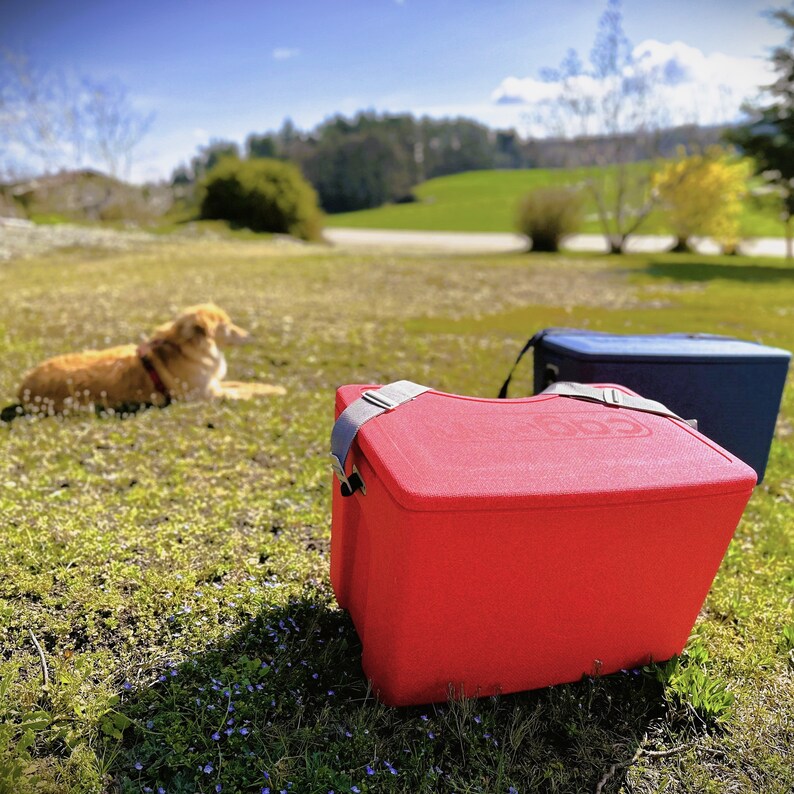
509 545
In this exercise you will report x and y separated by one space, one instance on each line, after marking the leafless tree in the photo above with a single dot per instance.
112 128
51 120
608 112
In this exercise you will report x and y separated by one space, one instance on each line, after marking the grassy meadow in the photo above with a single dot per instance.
485 201
173 566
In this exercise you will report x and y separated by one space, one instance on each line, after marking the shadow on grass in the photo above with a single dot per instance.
16 411
282 706
690 268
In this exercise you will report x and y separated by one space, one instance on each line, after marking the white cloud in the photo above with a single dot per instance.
285 53
688 85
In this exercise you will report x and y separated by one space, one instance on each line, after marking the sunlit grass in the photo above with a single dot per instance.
486 201
174 566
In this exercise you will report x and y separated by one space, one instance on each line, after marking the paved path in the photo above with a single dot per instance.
496 242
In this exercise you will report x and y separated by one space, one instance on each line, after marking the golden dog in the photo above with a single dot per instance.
182 361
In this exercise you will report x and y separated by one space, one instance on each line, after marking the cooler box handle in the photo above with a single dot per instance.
533 341
372 403
609 396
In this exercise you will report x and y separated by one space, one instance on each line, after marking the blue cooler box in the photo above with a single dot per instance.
732 387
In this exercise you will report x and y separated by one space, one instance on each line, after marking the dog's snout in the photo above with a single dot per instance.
237 335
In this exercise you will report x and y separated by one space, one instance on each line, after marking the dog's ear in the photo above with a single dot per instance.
193 326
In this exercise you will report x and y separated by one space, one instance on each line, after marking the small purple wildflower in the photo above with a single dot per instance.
331 692
244 731
512 790
208 769
216 737
161 678
265 790
431 735
127 685
315 676
423 717
138 765
390 768
355 789
478 719
218 788
150 724
370 770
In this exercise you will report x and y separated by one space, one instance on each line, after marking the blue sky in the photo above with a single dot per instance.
224 69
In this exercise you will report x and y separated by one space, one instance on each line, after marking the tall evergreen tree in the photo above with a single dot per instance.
769 137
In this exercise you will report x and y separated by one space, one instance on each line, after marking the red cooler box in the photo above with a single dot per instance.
491 546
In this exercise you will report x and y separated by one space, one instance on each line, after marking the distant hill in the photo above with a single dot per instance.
83 195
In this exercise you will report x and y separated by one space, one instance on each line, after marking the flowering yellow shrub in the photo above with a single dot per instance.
703 194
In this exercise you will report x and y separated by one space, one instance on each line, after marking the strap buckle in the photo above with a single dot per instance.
351 484
613 397
380 400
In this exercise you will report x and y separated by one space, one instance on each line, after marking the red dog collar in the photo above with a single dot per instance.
144 351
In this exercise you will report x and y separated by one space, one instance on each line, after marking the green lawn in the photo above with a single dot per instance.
173 566
485 201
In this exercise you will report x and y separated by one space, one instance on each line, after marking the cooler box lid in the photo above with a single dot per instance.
447 452
690 347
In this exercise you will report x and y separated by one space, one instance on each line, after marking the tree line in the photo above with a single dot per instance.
372 159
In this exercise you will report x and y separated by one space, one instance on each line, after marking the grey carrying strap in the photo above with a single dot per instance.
372 403
619 399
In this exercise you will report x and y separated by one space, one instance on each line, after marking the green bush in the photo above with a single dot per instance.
548 214
263 195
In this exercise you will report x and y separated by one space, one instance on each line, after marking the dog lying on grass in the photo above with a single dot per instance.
182 360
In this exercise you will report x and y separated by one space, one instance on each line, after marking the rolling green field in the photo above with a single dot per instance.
485 201
173 565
